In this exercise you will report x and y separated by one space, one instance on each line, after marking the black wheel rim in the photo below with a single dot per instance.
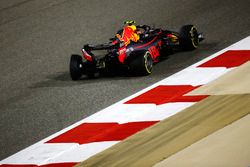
194 37
148 62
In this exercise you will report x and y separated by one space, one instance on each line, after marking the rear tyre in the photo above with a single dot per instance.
142 64
189 37
75 67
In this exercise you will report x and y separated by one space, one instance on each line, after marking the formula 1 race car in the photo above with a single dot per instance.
136 57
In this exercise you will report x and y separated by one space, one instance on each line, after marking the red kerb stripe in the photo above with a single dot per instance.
229 59
167 93
98 132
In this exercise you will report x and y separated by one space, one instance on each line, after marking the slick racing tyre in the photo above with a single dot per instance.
142 64
189 37
76 67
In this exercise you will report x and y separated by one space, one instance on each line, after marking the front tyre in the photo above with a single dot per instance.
189 37
75 67
142 64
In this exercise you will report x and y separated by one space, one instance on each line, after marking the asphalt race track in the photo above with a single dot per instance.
37 96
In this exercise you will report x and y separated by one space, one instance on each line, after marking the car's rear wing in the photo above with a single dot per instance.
89 56
99 46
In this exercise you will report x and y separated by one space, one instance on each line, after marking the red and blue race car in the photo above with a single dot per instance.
136 57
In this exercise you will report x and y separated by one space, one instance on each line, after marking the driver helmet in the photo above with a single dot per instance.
131 24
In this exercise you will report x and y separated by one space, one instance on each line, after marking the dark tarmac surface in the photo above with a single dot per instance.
37 96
